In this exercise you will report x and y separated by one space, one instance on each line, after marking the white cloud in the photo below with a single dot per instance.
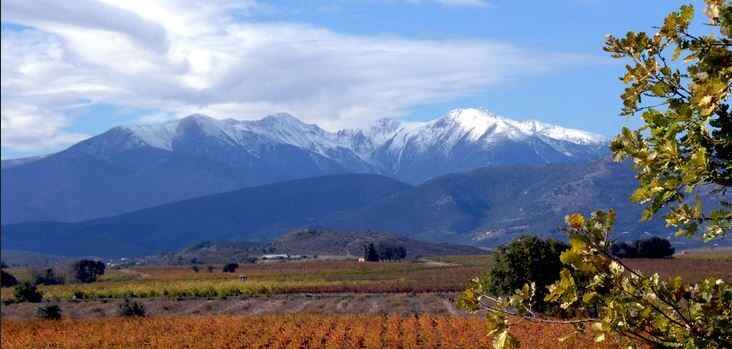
41 130
176 58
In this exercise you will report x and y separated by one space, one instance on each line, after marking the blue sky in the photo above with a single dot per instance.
74 69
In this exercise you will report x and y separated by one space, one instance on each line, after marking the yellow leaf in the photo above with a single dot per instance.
705 100
504 341
616 268
575 220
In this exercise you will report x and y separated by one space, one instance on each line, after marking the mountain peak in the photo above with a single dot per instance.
198 117
205 123
282 118
387 124
161 135
480 123
470 114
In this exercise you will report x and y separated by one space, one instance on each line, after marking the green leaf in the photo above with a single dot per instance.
504 340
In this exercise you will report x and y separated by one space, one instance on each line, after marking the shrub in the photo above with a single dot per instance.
388 252
195 268
49 312
624 250
88 270
525 259
654 247
7 279
370 254
27 292
47 277
131 308
384 252
230 267
78 295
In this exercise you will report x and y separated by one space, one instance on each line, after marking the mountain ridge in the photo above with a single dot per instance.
252 214
474 124
133 167
484 207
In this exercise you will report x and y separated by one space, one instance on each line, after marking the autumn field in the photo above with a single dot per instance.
714 254
271 278
329 304
277 331
444 274
690 270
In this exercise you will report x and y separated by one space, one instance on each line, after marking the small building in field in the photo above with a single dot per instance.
274 256
279 257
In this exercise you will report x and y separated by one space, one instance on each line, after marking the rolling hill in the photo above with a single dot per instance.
253 214
351 244
308 243
484 207
492 205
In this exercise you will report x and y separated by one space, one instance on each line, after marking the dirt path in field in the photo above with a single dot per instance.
398 303
135 273
450 307
438 263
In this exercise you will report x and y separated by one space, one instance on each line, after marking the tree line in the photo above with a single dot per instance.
384 252
654 247
84 271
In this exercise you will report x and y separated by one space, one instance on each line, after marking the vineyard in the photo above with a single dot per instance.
691 269
276 331
290 305
275 278
446 274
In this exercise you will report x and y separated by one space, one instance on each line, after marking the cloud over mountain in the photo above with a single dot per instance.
173 58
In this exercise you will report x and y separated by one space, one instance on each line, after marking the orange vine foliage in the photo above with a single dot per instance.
277 331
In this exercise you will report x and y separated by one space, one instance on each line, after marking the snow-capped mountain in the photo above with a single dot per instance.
465 139
137 166
389 145
473 125
280 128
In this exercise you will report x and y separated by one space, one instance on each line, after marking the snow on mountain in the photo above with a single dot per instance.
365 141
157 135
473 137
474 125
478 125
197 155
278 128
286 129
561 133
